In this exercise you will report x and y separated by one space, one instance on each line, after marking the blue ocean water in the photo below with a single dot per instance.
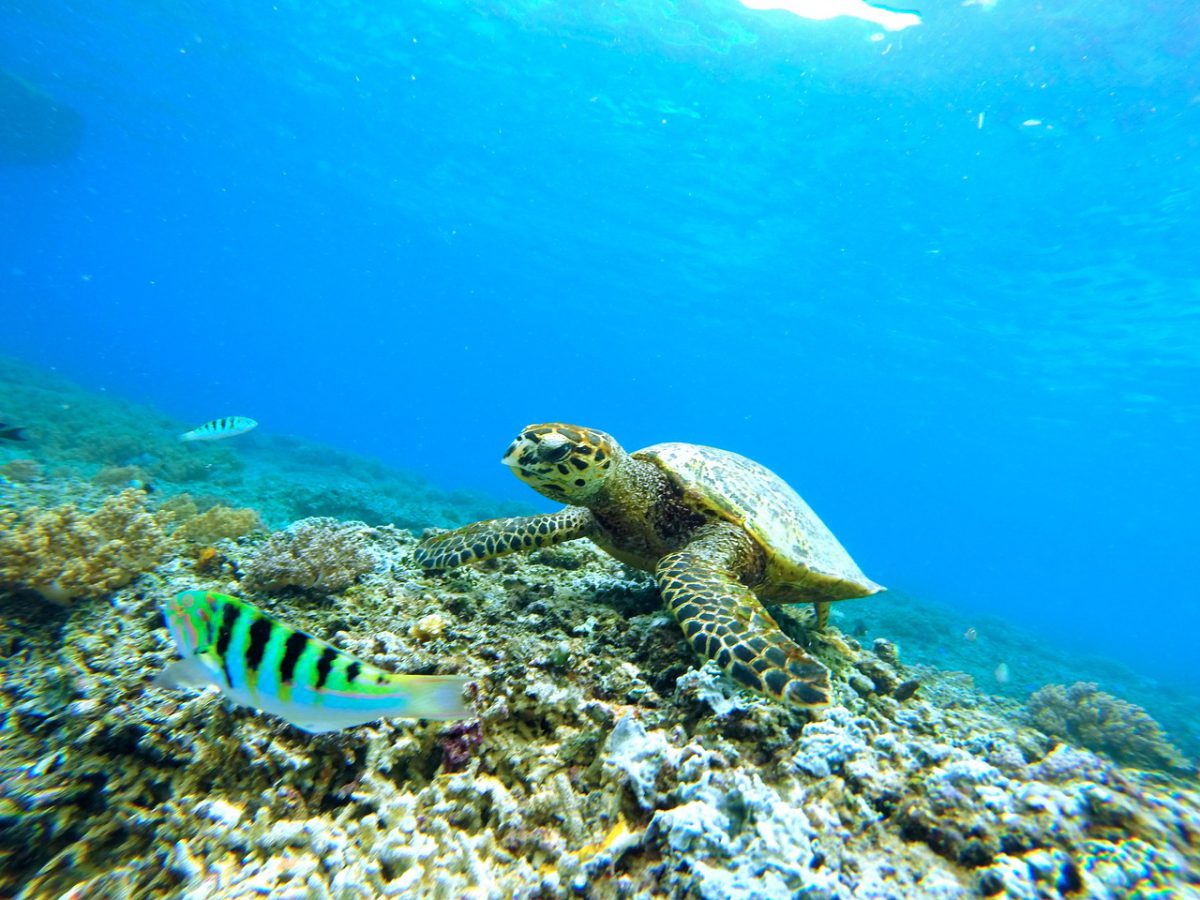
945 281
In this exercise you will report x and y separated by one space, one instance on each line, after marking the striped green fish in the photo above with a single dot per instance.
259 661
224 427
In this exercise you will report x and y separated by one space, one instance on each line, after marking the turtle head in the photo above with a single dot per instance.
563 462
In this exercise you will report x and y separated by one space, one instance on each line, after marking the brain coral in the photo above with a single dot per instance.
65 553
320 554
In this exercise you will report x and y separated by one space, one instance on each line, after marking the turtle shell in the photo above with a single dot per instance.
805 562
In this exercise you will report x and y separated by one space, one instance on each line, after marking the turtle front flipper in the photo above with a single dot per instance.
496 537
724 621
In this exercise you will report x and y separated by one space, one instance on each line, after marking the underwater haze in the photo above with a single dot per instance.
945 280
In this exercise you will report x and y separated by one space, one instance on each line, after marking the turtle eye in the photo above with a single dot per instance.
553 448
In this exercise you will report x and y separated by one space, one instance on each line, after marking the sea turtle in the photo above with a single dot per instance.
715 528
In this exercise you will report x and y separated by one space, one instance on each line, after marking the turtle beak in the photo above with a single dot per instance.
512 456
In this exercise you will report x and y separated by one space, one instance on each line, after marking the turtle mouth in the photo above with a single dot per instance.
523 456
518 455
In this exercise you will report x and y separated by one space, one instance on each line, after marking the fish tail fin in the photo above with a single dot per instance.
13 433
434 696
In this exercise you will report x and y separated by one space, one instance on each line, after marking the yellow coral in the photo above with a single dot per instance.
428 628
177 508
217 523
65 553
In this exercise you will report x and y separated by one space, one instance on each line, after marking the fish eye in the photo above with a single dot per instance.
553 448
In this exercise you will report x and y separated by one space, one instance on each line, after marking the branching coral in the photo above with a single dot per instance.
319 553
65 553
178 508
1086 716
217 523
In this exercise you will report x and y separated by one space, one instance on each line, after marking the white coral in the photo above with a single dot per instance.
743 839
826 745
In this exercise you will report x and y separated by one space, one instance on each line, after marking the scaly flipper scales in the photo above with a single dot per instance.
496 537
725 622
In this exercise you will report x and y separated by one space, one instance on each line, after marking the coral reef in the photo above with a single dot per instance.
604 763
65 553
319 554
1086 716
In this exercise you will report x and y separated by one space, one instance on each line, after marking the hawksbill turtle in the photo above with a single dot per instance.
719 531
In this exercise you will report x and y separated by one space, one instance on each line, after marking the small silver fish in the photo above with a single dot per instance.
225 427
256 660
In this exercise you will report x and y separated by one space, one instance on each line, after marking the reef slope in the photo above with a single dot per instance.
603 763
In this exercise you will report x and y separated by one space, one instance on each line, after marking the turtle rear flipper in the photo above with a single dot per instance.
497 537
724 621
